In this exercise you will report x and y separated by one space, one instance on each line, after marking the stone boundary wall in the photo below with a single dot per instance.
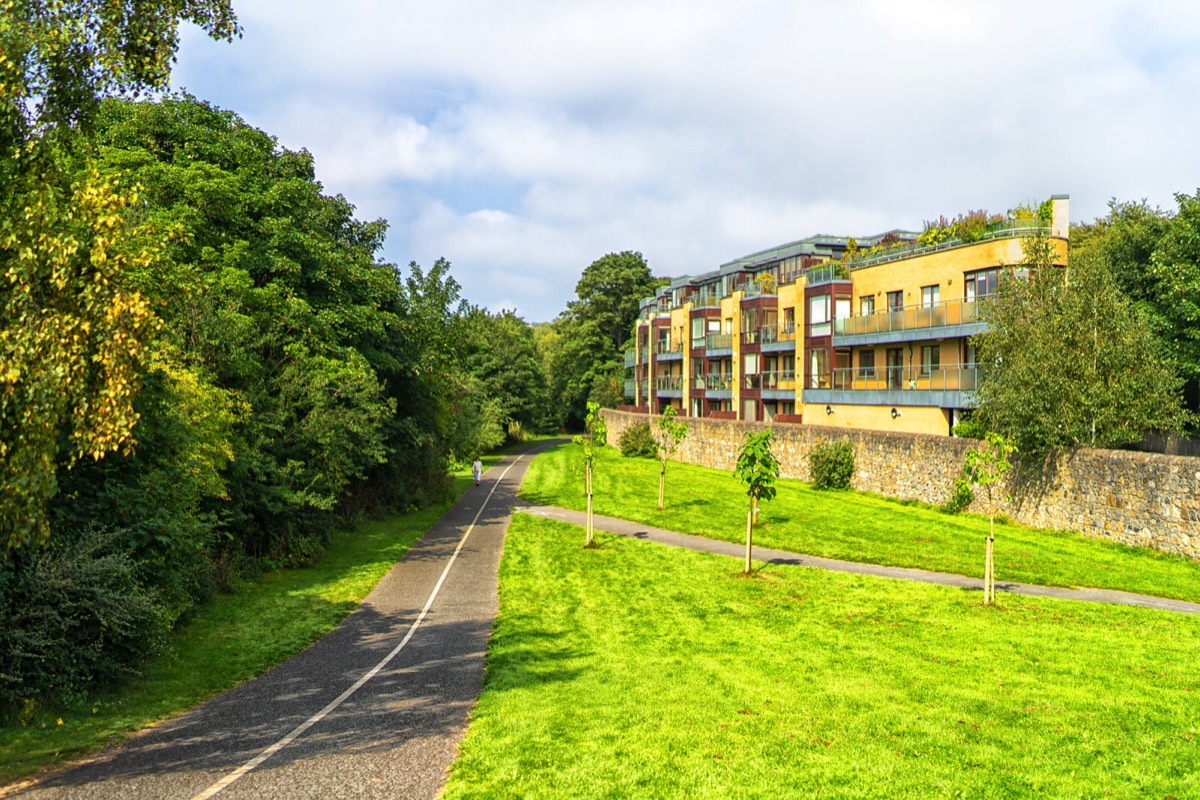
1143 499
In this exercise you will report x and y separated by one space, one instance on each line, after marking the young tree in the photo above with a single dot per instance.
758 469
671 433
1068 360
986 465
594 437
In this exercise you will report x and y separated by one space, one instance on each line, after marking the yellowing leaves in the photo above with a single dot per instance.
73 343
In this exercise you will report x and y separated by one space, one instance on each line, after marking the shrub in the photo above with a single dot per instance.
961 496
637 441
832 464
72 617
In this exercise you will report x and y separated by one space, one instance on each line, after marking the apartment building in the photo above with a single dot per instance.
870 333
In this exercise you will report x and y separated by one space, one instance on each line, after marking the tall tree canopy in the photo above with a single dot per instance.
72 329
1156 262
588 363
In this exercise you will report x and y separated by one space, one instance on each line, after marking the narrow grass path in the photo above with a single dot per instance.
854 526
635 670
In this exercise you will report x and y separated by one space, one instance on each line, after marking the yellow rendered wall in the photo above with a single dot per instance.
912 419
945 268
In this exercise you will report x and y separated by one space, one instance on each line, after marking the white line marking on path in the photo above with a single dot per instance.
224 783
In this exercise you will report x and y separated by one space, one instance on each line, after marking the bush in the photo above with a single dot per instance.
961 496
637 441
73 616
832 464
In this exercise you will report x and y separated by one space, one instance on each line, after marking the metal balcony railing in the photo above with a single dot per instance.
718 383
630 358
669 383
941 378
719 341
781 332
779 379
1004 230
667 348
910 318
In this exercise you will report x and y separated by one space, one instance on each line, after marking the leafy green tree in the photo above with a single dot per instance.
594 437
269 292
758 469
502 357
1067 359
72 331
671 433
589 364
986 465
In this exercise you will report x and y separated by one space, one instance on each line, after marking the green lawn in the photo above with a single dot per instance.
234 638
853 526
637 670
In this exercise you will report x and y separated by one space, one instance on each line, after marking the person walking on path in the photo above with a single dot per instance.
477 469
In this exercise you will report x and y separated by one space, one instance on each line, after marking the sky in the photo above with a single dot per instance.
521 141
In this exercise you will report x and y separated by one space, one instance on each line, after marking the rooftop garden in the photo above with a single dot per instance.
968 228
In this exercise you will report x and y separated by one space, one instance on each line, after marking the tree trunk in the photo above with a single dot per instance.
749 537
662 485
587 480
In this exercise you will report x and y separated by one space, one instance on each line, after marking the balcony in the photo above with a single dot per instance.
718 344
630 358
779 384
706 300
669 351
780 337
629 387
950 386
950 319
669 385
718 383
1006 229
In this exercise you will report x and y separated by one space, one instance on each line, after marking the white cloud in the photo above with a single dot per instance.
522 141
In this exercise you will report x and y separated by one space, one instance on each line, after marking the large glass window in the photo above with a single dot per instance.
819 369
980 284
866 305
895 301
698 332
931 358
930 295
818 315
866 364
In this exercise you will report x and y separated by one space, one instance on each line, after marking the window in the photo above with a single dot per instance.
866 305
789 319
818 315
866 364
698 332
930 295
895 301
980 284
841 307
819 370
750 364
931 357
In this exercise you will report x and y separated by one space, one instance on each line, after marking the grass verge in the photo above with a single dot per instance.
232 639
636 670
854 526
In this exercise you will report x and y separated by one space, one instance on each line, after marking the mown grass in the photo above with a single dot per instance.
234 638
637 670
854 526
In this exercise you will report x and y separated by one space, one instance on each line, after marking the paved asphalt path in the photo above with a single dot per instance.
762 554
394 736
